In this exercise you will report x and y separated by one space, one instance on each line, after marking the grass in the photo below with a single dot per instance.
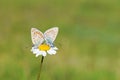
88 41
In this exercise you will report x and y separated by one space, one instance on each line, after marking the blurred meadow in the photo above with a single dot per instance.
88 40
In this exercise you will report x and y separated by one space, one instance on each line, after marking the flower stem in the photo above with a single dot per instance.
40 68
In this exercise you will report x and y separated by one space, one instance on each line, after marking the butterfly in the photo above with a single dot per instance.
48 36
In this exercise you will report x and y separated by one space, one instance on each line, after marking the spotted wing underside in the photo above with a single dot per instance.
37 36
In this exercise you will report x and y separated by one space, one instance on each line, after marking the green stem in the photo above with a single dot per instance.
40 68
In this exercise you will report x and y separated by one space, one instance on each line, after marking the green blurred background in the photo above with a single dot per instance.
88 40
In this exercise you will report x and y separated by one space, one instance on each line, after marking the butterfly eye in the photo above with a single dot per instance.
33 45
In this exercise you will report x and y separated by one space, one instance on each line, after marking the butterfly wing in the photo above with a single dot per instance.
51 34
37 36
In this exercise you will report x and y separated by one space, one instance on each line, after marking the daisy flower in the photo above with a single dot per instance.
43 49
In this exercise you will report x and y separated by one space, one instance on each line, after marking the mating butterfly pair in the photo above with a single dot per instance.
43 42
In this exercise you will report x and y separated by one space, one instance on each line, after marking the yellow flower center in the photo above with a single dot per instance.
44 47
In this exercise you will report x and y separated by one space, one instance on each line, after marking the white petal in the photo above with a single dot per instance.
32 49
35 51
55 48
51 51
38 53
43 53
